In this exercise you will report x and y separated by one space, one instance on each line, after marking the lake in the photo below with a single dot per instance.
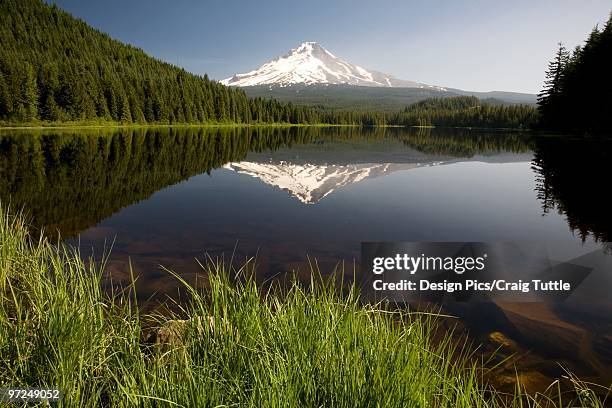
290 199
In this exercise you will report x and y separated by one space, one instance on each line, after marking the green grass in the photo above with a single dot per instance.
319 347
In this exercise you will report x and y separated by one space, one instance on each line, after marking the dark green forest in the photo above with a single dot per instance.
55 68
577 93
457 111
465 111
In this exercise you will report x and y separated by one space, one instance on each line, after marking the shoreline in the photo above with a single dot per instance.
244 125
161 125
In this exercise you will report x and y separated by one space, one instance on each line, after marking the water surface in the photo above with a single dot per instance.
171 196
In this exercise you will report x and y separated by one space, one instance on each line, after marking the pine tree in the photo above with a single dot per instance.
548 97
30 93
50 110
126 116
4 98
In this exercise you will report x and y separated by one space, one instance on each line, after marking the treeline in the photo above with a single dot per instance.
464 111
455 103
577 93
458 111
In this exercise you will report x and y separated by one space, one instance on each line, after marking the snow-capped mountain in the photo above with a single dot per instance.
310 183
310 63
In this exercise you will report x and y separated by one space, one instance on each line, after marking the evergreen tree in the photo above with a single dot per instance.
549 96
30 93
50 109
5 101
126 116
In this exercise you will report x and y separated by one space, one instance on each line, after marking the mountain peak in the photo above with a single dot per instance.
308 45
313 48
311 63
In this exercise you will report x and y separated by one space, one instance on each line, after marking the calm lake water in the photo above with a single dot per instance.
171 196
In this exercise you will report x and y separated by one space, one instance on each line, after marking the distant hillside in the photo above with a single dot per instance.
464 111
55 67
368 98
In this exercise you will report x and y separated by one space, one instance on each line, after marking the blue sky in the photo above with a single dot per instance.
473 45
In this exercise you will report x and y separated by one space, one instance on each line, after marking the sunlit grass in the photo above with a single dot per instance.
230 345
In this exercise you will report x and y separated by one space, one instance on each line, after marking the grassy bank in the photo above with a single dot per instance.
233 346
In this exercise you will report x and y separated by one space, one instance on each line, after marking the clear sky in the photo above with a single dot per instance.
473 44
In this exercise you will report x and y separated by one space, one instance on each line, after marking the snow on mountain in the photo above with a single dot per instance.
311 63
309 183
